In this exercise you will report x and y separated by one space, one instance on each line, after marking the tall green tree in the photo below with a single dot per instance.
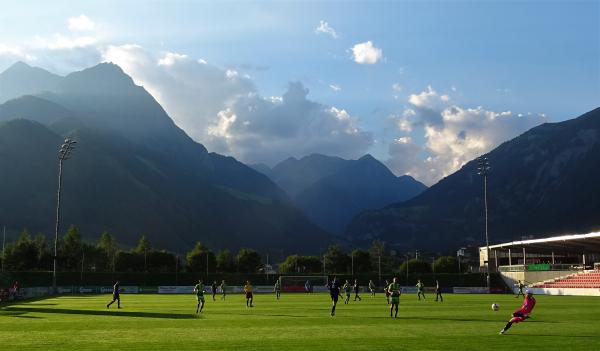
129 261
415 266
380 255
162 261
71 248
143 245
336 260
225 262
44 256
142 249
93 257
22 255
445 264
108 245
248 261
301 264
362 261
199 257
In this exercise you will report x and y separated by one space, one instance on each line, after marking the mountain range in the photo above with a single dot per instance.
332 190
543 182
133 171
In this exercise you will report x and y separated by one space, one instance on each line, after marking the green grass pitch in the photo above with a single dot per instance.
297 322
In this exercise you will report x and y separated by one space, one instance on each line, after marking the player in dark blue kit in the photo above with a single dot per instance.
116 295
334 291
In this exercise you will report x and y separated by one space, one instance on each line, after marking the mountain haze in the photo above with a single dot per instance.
331 190
21 79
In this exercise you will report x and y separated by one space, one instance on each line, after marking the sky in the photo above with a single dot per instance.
424 86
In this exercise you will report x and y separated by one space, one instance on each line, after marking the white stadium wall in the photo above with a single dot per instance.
566 291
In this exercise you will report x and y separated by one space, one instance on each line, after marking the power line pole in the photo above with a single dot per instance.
177 270
82 265
3 242
63 154
267 267
379 264
483 168
352 264
407 258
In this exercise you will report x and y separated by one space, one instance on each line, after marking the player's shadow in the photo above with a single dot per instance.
113 313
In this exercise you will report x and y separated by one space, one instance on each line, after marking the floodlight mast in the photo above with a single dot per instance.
483 169
64 153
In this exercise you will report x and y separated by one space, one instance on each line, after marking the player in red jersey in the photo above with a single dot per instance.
522 313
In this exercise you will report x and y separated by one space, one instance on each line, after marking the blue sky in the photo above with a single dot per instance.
538 57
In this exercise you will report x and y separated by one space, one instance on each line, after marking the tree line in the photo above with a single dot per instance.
29 253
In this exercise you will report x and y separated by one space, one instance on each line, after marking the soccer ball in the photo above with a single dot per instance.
495 307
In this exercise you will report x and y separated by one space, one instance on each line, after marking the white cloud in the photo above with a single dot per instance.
428 99
325 28
15 52
61 52
453 134
81 23
335 87
256 129
170 58
231 73
366 54
223 110
62 42
405 123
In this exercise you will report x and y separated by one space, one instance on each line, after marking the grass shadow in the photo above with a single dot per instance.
7 313
28 317
113 313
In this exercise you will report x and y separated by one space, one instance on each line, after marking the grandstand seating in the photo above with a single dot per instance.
587 279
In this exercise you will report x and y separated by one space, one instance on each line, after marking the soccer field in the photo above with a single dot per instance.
297 322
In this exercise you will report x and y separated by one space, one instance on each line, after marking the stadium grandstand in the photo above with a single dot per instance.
560 265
